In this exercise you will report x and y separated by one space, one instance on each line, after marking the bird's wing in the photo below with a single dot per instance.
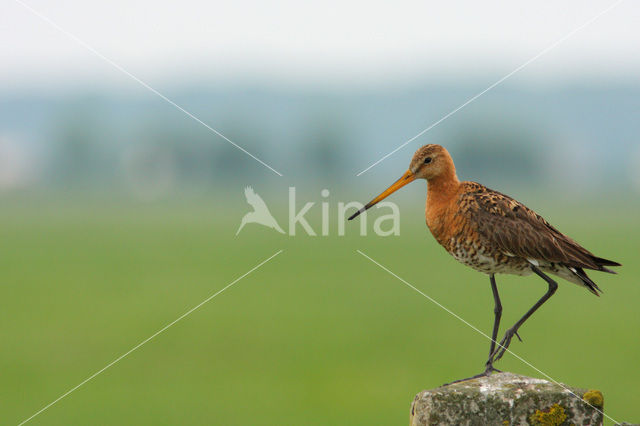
516 230
254 199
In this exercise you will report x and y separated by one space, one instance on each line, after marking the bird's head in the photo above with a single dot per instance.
430 162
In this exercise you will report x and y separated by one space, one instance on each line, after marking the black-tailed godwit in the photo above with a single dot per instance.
495 234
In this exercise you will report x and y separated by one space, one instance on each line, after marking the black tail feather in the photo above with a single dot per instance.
605 262
588 282
601 262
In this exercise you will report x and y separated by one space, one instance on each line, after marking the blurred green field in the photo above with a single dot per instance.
317 336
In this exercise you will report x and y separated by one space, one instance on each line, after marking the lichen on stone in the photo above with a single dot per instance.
554 417
505 399
594 397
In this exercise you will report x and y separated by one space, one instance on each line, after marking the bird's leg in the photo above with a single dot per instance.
513 331
497 311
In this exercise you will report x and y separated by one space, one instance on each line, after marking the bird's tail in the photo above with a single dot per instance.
601 262
588 282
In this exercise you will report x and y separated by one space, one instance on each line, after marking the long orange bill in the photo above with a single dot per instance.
405 179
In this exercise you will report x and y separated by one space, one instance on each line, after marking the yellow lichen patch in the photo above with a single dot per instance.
594 397
554 417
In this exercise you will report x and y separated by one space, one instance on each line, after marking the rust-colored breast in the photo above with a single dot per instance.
448 217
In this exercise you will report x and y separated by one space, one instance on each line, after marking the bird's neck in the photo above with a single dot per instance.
441 190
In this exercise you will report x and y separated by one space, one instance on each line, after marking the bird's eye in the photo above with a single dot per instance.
427 160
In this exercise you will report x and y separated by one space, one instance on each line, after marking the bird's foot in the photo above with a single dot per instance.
487 372
483 374
489 369
504 344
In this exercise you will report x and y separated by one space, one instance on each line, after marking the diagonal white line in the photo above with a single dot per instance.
145 85
482 333
473 98
149 338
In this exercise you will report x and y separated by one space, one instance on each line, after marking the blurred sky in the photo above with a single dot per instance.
317 89
343 42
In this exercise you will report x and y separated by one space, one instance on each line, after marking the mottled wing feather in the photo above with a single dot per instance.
516 230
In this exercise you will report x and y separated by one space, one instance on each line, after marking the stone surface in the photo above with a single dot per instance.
506 399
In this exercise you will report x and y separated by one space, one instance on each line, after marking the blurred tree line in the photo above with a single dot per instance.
145 145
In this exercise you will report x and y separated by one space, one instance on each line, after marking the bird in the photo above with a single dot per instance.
260 213
494 234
